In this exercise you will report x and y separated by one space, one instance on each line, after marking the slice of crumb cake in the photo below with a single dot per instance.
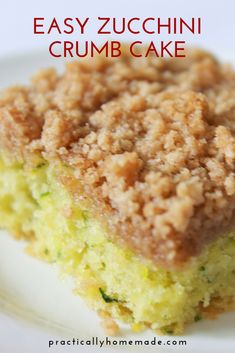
122 172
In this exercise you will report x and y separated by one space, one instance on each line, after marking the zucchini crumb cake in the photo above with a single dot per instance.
122 171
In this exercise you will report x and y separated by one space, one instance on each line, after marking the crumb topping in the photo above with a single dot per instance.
152 142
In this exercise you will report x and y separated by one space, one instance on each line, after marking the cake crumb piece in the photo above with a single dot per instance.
110 327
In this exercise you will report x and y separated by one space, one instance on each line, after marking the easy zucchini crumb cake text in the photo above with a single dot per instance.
122 171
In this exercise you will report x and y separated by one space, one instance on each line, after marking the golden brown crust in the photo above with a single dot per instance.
151 140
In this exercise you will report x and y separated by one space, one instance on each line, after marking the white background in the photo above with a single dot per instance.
16 19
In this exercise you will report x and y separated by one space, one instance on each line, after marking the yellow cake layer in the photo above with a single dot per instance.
109 277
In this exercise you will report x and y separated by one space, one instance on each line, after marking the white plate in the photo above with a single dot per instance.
37 306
